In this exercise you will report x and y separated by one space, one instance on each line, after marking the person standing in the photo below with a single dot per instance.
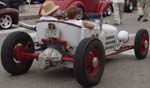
140 10
143 9
118 6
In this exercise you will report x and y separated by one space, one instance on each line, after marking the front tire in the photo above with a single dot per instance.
141 44
110 10
6 21
10 55
89 62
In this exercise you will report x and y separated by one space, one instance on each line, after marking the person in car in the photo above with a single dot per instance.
48 10
73 15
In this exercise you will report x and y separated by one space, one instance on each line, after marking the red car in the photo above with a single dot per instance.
129 5
87 6
8 16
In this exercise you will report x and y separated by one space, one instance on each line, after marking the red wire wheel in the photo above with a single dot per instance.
89 62
93 62
14 44
141 44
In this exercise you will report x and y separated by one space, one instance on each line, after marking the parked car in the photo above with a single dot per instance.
8 16
88 7
32 1
129 6
13 3
92 6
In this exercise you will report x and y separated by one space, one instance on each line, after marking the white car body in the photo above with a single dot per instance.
68 45
74 34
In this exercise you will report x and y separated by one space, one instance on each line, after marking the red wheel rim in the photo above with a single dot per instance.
93 62
18 50
144 44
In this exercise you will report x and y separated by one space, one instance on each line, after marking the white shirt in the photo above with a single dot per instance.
76 22
48 18
118 1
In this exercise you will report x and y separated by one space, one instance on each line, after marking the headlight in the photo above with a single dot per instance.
123 36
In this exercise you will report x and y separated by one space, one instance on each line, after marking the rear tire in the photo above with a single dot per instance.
10 61
141 44
89 62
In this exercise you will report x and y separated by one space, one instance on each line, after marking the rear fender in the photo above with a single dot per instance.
12 12
104 6
76 4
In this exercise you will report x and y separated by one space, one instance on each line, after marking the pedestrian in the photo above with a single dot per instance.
143 10
118 6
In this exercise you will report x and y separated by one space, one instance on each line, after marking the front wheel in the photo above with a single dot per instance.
141 44
12 47
89 62
5 21
110 10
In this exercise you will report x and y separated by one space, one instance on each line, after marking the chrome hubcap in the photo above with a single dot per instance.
95 62
146 44
5 21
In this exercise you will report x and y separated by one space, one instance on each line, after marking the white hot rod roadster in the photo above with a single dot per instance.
70 46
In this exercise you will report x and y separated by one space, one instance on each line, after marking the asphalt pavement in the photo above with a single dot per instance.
121 71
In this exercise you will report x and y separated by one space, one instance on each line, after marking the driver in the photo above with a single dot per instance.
48 10
73 14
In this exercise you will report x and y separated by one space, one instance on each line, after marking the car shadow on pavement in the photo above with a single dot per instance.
121 57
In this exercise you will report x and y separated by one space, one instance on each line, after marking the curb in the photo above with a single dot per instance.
28 17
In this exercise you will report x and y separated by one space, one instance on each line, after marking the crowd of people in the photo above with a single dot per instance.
143 8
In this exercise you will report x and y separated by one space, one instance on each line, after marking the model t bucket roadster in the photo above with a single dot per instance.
72 46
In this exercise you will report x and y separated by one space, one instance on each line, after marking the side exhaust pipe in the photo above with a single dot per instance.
27 26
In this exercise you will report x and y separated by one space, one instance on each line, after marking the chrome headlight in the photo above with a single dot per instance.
123 36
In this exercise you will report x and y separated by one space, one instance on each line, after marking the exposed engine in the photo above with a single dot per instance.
49 57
